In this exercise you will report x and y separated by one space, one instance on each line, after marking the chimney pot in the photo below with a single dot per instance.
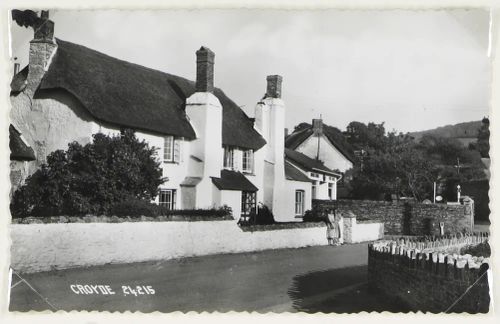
44 28
205 60
317 125
44 15
274 86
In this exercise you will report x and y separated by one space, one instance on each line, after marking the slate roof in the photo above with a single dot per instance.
130 95
19 150
190 181
305 162
292 173
333 134
233 180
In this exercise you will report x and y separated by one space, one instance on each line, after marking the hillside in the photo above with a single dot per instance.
464 132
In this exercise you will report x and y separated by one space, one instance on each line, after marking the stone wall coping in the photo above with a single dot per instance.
116 219
433 251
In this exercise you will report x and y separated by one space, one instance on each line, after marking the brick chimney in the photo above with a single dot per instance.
274 86
317 126
270 122
42 50
205 115
205 59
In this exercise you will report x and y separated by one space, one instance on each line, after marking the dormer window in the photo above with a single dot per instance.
228 157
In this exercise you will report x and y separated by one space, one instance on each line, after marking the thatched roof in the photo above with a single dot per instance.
306 163
130 95
333 134
232 180
19 150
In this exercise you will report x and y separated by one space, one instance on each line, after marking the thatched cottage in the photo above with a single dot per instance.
211 152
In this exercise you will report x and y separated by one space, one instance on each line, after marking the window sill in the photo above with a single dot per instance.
171 162
248 173
299 216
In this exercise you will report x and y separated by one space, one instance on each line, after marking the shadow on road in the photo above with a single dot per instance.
342 290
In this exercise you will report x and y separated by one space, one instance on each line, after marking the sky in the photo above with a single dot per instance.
413 70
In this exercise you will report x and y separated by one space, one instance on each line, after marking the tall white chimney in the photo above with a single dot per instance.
270 121
205 115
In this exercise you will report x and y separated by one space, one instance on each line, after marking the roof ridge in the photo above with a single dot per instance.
137 65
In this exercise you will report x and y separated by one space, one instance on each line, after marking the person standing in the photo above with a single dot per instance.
333 232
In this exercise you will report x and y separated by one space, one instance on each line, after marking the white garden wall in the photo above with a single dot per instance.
355 232
41 247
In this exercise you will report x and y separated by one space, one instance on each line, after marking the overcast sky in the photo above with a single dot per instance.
413 70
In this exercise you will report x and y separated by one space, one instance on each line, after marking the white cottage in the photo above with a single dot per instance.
211 152
323 143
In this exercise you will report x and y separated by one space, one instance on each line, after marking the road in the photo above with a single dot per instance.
328 279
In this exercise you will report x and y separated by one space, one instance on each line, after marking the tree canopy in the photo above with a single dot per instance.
91 178
397 164
483 139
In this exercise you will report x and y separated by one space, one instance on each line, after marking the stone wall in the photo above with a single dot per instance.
42 247
430 282
406 218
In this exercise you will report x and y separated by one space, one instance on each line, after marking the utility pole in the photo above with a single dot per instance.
458 166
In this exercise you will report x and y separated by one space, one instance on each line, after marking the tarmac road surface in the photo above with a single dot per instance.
323 278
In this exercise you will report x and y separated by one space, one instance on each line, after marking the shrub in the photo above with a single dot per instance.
137 208
90 179
479 250
314 215
264 216
134 208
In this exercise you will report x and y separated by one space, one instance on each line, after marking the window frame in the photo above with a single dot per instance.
171 205
314 189
171 147
300 202
248 159
228 157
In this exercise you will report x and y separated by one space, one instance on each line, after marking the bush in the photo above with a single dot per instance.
134 208
479 250
90 179
314 215
138 208
264 216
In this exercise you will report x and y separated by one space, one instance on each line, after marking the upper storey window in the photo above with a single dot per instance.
171 149
228 157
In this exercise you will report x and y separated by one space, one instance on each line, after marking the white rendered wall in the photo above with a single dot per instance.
205 114
270 122
43 247
328 154
50 124
354 232
232 198
290 187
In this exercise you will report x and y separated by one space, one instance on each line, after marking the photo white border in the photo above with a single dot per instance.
192 317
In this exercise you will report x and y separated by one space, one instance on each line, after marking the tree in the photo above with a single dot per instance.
407 167
90 179
400 168
361 136
483 139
